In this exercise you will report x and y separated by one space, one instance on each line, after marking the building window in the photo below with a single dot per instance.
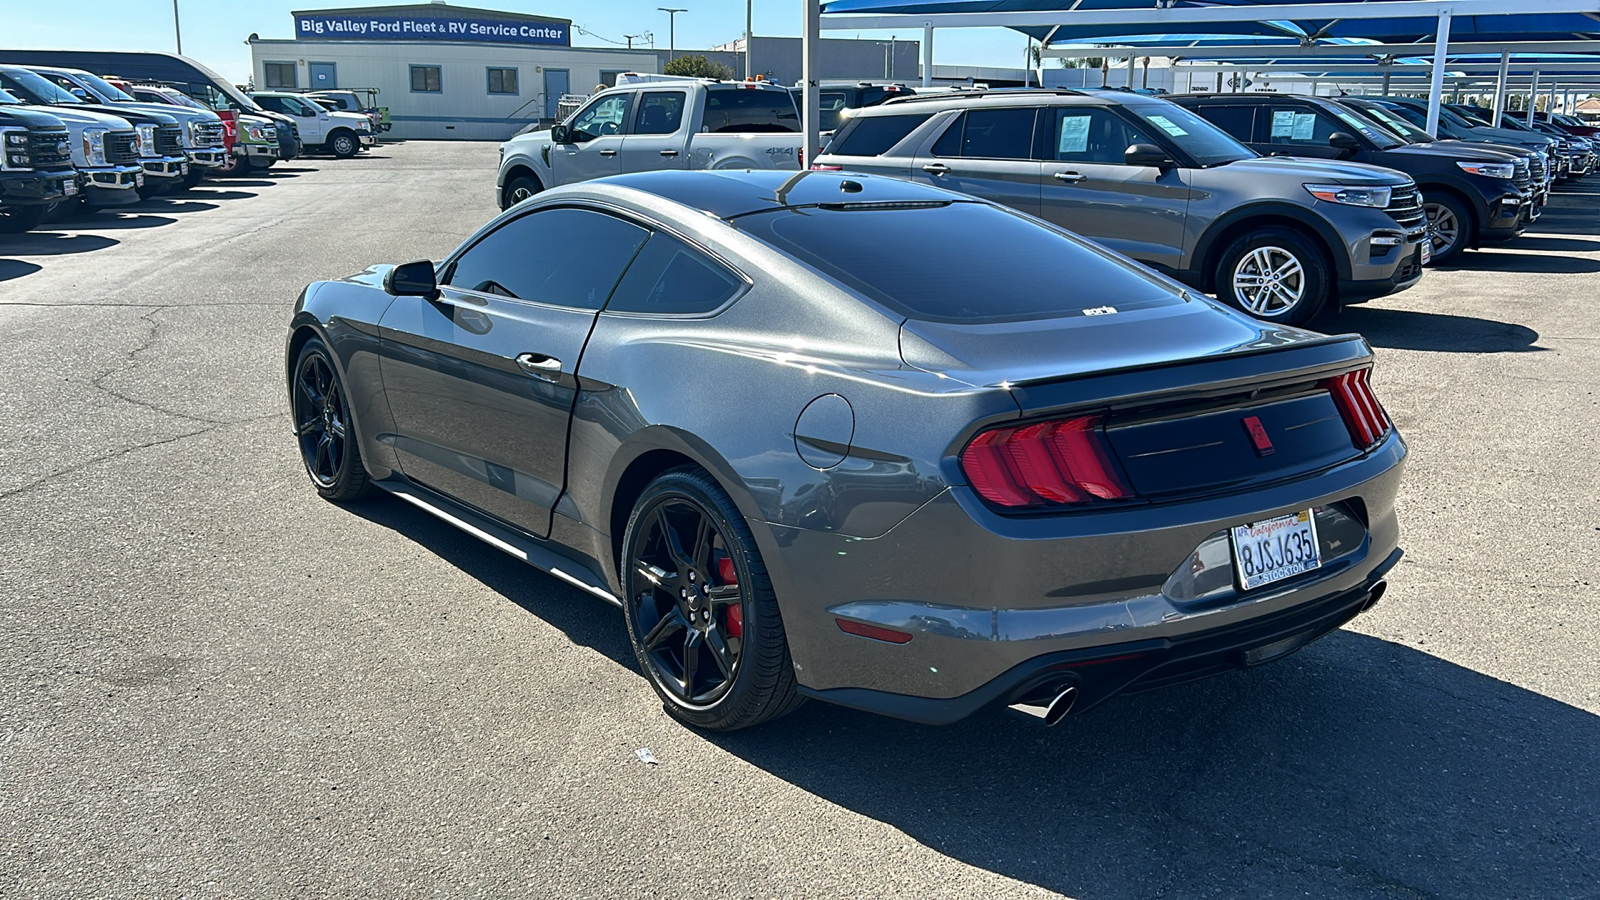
502 81
280 76
425 80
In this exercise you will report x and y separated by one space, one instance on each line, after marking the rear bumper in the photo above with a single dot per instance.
991 601
37 188
1134 666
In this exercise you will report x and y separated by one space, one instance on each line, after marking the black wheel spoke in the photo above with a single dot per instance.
309 426
705 533
724 595
337 428
664 629
674 544
691 661
649 573
309 390
721 654
319 463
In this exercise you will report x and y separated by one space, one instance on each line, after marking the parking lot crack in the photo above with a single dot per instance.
128 361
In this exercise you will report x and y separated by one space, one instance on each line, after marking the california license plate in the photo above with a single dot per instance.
1427 251
69 188
138 179
183 168
1275 549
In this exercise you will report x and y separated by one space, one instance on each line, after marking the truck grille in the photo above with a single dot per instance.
169 140
1405 206
1536 169
209 134
122 148
1520 177
49 149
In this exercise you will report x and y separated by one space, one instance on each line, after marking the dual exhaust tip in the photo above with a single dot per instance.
1050 704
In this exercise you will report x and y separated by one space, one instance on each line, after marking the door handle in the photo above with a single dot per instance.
669 153
540 366
608 153
1070 177
936 168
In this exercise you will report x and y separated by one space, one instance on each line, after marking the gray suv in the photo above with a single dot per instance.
1278 237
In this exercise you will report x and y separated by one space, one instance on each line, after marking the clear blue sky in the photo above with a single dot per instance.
214 30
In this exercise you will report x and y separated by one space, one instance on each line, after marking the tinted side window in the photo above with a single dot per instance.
1238 121
660 112
998 134
1092 136
949 143
669 276
873 135
741 109
563 257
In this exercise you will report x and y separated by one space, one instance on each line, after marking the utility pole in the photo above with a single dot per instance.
672 29
629 38
748 37
177 30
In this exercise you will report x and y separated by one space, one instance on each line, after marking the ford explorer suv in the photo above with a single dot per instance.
340 133
1471 196
1454 126
656 123
1528 162
156 147
35 165
1278 237
200 138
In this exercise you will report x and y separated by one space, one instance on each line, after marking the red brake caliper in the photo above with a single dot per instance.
727 575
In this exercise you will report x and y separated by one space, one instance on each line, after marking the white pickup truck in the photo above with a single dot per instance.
655 123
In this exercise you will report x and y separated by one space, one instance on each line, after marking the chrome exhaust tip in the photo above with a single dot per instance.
1375 595
1051 708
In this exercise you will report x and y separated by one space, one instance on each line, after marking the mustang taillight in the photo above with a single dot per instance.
1058 463
1363 414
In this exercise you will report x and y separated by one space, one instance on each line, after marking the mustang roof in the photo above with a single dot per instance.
734 192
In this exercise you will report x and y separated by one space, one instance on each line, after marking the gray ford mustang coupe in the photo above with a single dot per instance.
1006 468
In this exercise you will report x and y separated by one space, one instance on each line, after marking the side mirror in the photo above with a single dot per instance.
1343 140
412 279
80 93
1147 155
560 134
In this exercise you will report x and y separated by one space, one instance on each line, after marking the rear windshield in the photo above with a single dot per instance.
742 109
874 135
968 262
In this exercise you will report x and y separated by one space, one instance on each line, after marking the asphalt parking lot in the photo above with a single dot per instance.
212 683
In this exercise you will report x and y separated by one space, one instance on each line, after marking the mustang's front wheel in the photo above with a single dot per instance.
323 428
700 609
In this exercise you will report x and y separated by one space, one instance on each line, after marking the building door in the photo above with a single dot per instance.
323 76
556 83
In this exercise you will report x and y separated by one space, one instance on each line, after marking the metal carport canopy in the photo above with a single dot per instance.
1408 22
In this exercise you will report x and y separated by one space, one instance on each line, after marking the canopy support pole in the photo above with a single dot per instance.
1388 71
1533 96
1441 52
810 72
1500 87
927 54
1130 70
1043 45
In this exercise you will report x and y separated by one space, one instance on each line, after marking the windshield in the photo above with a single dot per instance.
37 87
1205 142
1513 124
103 88
1391 120
179 98
8 99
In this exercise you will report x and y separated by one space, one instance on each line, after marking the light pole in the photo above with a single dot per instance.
748 37
629 38
176 29
672 29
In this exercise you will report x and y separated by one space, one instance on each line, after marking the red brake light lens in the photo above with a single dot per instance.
1363 414
1062 462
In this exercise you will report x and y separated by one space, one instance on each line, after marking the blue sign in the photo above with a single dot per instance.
387 26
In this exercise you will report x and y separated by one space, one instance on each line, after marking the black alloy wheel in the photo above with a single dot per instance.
323 427
343 144
700 610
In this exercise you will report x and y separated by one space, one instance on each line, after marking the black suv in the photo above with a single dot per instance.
1471 195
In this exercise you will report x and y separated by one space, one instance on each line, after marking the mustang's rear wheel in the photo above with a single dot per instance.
700 609
323 429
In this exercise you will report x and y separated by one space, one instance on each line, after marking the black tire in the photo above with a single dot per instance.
748 676
521 188
1293 273
1450 226
235 164
323 428
17 219
196 174
343 144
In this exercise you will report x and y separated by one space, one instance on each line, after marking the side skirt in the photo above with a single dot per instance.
524 547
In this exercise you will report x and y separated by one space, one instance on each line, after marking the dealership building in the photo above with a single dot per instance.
456 72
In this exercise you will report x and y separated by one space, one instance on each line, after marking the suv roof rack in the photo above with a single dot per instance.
987 92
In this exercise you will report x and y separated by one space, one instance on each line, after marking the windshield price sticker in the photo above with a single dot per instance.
1269 551
1167 125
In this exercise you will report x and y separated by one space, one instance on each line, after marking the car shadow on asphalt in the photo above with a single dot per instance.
214 194
1400 329
165 205
124 219
1553 244
15 268
236 183
585 619
48 242
1357 767
1528 263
